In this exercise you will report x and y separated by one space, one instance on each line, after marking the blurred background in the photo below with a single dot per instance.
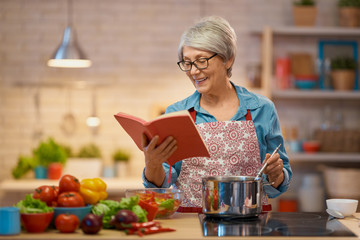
132 46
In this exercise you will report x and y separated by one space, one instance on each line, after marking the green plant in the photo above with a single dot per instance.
23 166
48 152
90 150
121 155
349 3
305 3
342 63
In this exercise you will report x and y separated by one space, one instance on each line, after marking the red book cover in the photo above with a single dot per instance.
179 124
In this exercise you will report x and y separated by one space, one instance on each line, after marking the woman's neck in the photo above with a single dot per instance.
221 96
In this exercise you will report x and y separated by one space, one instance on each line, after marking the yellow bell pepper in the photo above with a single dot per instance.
93 190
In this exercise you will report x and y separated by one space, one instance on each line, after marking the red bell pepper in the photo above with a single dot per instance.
150 208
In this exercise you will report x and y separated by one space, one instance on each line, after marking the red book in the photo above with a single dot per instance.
179 124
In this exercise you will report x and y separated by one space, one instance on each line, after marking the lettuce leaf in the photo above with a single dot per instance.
31 205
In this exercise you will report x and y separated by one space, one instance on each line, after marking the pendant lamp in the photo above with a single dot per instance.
69 53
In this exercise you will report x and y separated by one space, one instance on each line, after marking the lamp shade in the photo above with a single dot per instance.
69 53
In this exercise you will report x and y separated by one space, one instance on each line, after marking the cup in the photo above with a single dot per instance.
10 221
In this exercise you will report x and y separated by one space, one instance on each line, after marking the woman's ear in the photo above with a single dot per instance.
229 63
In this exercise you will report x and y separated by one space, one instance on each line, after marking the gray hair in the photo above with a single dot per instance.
212 34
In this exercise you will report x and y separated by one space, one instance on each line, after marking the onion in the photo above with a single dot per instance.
123 217
91 224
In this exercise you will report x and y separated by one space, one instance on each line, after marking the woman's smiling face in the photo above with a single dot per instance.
206 81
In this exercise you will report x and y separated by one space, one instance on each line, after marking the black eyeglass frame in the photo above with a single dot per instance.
193 63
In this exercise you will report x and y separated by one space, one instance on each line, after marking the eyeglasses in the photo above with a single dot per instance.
201 63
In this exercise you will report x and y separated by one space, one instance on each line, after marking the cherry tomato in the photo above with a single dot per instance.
46 194
70 199
67 223
69 183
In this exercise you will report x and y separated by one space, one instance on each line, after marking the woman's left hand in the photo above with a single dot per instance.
274 169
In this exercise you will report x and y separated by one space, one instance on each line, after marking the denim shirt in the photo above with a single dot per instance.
266 124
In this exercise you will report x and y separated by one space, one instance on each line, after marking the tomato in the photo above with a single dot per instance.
56 190
69 183
67 223
70 199
46 194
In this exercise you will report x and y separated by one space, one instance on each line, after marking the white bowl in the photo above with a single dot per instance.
346 206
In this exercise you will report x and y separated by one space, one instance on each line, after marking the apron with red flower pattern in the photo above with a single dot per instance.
234 151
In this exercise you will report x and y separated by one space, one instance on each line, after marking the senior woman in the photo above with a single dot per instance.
206 54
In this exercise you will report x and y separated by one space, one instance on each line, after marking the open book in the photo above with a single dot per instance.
179 124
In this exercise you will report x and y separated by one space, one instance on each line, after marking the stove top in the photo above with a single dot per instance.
275 224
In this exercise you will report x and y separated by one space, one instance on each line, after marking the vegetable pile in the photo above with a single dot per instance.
71 192
128 215
109 208
133 215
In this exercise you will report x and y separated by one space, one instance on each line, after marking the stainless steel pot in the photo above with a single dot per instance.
228 196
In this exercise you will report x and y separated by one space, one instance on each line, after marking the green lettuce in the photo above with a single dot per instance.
168 204
109 208
31 205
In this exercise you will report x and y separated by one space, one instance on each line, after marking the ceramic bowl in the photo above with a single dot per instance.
307 77
346 206
305 84
36 222
80 212
311 146
157 196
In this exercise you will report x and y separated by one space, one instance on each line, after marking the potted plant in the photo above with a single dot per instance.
48 156
304 13
51 156
90 150
121 158
87 163
349 13
343 73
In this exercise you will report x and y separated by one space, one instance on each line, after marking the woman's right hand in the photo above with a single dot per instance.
155 156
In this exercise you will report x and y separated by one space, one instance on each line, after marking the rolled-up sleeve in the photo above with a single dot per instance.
166 183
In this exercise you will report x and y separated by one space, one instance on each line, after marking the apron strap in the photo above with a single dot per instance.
248 116
192 113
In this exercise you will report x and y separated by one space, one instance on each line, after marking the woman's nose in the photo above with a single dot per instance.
194 70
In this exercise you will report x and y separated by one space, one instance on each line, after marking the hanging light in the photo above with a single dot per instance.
93 121
69 54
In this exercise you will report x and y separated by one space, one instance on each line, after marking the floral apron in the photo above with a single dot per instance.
234 151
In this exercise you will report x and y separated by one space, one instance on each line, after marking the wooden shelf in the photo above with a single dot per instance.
325 157
312 31
316 94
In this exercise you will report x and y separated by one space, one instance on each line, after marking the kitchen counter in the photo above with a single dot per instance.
187 226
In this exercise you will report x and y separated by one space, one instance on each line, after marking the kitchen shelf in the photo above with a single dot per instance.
316 94
312 31
268 37
267 75
325 157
